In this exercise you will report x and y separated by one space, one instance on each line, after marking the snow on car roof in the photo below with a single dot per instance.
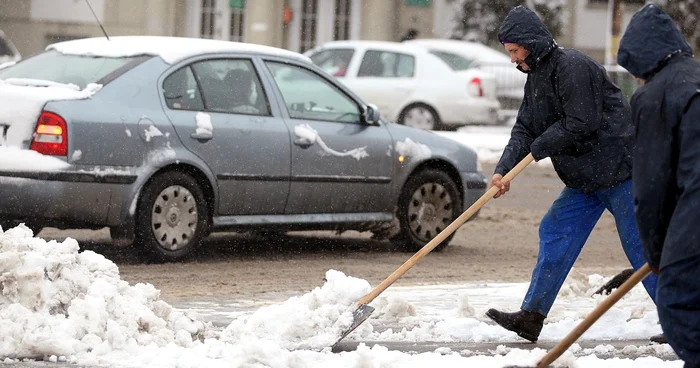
384 45
171 49
473 49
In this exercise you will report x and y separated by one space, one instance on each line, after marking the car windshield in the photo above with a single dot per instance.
454 61
5 49
334 62
80 70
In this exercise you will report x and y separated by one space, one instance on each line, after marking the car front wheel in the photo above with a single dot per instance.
172 217
429 202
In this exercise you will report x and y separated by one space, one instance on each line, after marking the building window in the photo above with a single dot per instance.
341 29
308 24
208 19
237 24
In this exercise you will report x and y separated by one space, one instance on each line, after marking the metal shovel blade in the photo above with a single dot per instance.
358 316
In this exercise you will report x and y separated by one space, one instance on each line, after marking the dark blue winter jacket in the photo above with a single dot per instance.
666 113
571 112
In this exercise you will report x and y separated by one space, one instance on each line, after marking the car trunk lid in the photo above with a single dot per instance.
479 83
22 102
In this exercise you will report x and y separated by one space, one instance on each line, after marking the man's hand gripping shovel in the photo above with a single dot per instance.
363 310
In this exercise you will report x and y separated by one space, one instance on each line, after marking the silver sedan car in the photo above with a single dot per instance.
165 140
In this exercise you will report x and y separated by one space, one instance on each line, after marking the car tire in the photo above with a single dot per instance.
429 202
420 116
172 217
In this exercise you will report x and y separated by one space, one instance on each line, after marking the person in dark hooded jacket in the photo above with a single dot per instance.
573 114
666 175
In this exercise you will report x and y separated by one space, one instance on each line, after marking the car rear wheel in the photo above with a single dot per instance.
419 116
172 217
429 202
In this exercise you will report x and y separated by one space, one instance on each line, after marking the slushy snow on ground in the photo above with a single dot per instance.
59 304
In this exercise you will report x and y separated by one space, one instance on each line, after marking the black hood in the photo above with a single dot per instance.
524 27
650 40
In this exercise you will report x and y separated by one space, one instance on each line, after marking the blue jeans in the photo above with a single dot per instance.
565 229
679 308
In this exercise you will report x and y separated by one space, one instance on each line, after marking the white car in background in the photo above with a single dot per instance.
410 85
8 51
465 55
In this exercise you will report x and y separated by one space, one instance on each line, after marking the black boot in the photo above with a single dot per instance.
659 339
527 325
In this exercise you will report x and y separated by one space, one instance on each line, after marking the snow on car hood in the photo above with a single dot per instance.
21 103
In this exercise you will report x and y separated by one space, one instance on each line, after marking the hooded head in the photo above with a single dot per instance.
650 40
523 27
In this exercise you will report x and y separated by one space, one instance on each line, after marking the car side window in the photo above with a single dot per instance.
181 92
307 95
231 86
386 64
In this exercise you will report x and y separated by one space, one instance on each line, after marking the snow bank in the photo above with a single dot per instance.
56 301
58 304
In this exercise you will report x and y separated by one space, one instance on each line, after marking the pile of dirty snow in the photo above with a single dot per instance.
57 301
313 321
61 305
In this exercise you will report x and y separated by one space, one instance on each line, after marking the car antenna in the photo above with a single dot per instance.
97 19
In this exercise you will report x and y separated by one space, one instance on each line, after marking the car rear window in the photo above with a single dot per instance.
80 70
333 61
454 61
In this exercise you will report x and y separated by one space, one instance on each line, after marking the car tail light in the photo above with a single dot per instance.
50 135
475 87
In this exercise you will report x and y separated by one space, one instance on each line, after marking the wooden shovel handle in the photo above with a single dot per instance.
439 238
587 322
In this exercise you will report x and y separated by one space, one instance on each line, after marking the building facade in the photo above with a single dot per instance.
292 24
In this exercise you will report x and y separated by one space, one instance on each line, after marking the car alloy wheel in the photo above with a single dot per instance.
429 211
174 217
420 117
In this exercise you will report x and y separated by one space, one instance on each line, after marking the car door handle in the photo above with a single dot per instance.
202 137
303 143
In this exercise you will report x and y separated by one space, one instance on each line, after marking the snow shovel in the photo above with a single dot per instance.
587 322
364 310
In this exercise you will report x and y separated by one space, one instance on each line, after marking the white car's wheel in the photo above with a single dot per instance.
419 116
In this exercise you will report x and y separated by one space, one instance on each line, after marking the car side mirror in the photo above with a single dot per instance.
370 114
